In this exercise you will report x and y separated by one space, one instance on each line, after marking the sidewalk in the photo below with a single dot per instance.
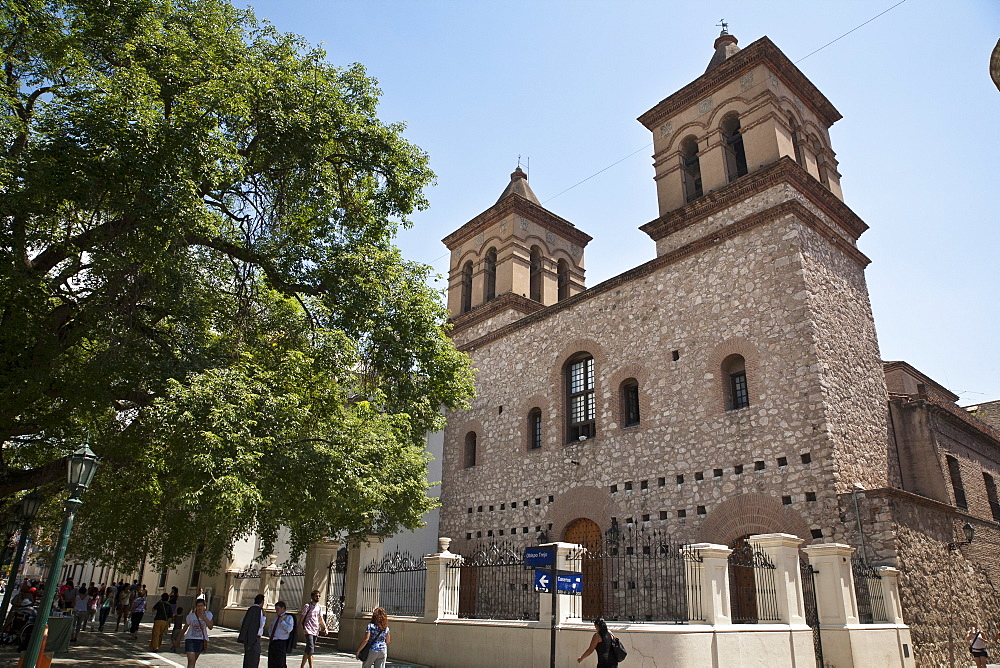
106 650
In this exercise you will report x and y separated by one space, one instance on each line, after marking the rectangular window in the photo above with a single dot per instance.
162 583
991 495
535 429
582 401
630 404
741 399
956 483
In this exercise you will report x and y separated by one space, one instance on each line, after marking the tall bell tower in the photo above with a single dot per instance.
512 259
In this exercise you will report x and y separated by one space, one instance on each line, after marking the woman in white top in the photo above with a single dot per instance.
81 608
977 647
195 631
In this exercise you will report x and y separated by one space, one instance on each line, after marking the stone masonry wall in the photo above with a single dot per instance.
754 294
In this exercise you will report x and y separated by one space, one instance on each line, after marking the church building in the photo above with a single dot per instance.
730 386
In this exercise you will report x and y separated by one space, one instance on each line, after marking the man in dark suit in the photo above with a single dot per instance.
250 632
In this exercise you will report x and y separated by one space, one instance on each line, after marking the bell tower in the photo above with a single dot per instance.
513 259
749 109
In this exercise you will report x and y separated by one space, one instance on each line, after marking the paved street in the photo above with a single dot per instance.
110 649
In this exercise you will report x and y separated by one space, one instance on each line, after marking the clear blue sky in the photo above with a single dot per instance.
561 83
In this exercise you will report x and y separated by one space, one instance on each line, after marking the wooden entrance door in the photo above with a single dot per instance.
588 534
742 582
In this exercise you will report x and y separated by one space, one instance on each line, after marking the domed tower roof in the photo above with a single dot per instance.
725 47
519 186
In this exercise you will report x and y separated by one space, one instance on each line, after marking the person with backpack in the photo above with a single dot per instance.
609 648
282 637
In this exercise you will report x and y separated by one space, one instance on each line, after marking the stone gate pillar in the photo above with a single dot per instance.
441 593
319 560
835 598
357 606
270 583
713 571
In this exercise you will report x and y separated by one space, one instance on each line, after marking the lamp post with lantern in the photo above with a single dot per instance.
29 508
81 465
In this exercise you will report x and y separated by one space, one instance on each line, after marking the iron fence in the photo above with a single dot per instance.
868 590
752 591
397 583
247 586
639 575
494 584
290 584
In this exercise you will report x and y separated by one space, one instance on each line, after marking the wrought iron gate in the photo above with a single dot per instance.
336 590
751 585
812 610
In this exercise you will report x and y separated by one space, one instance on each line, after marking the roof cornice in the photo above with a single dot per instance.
785 170
515 203
763 51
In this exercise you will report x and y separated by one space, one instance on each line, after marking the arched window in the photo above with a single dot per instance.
467 287
469 459
991 495
796 140
630 402
732 137
581 408
821 163
535 429
955 472
690 168
562 274
490 291
734 372
535 275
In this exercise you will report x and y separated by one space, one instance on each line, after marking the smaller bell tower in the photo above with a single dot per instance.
749 109
513 259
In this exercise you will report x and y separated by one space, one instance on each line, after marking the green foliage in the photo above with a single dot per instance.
196 224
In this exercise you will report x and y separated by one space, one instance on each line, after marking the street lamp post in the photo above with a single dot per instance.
81 467
29 508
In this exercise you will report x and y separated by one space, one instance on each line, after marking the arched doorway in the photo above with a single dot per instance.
588 534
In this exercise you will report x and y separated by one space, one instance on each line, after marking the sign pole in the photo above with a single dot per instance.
555 602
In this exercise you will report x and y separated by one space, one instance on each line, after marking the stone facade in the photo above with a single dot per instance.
758 268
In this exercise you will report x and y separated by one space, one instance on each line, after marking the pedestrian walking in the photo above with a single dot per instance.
313 625
176 635
138 610
601 643
282 637
196 627
161 621
124 603
107 602
977 646
251 629
376 641
95 599
173 600
81 608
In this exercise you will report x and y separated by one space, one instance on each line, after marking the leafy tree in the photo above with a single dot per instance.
197 214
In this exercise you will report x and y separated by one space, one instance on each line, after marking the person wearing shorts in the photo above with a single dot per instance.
313 625
196 627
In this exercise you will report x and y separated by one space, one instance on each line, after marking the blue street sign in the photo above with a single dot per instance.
538 556
571 582
565 581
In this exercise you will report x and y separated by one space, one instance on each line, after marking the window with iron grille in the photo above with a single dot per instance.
535 429
956 483
582 403
737 392
630 403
